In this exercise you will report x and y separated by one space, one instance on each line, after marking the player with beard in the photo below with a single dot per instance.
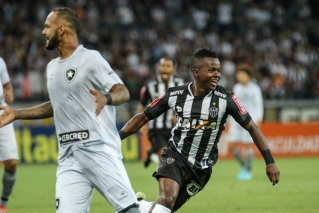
8 145
83 90
202 107
159 129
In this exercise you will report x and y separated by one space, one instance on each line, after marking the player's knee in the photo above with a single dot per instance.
10 165
167 201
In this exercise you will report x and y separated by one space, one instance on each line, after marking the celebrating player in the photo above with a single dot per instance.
202 107
89 145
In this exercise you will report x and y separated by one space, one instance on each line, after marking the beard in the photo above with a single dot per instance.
53 42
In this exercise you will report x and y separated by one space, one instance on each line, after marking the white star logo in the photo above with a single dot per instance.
70 74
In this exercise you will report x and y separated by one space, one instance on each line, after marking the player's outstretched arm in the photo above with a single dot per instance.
133 125
272 171
118 94
41 111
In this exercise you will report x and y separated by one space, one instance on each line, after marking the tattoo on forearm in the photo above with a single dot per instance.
39 112
119 95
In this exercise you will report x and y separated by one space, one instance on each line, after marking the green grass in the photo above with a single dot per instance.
297 191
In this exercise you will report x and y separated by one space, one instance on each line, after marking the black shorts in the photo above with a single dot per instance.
159 138
175 167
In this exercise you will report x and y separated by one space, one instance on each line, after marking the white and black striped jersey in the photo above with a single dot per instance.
152 90
200 121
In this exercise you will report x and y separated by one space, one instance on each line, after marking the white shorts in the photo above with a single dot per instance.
8 143
87 168
237 133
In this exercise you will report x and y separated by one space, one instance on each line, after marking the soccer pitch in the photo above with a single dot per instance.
297 191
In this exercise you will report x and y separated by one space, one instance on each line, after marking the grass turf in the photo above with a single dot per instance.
297 191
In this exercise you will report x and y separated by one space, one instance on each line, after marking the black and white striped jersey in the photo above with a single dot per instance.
200 121
152 90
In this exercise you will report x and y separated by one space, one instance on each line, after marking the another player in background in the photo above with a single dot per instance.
202 108
159 129
250 95
8 145
83 91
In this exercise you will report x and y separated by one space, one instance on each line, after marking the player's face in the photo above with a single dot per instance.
208 75
166 69
242 77
50 32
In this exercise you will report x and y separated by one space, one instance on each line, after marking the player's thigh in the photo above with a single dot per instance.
193 184
73 190
108 175
8 145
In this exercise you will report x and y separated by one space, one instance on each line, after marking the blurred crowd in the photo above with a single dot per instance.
278 39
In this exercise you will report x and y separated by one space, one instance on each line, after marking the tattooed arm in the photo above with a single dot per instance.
41 111
117 95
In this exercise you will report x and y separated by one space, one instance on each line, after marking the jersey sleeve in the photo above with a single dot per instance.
4 72
237 110
157 106
145 96
103 75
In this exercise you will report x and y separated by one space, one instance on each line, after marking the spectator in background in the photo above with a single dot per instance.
255 32
8 144
250 96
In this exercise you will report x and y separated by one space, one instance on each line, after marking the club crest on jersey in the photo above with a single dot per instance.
213 111
70 74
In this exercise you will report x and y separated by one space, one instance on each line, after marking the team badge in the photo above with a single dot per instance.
170 160
70 74
213 111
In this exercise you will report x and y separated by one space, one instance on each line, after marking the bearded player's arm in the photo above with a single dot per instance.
38 112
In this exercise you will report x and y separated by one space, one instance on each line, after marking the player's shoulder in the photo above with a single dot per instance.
53 62
221 92
91 54
177 90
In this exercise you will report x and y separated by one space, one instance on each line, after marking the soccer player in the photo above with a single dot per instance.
8 145
202 107
89 145
249 94
159 129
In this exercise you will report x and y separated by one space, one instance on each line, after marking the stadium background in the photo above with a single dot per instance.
278 39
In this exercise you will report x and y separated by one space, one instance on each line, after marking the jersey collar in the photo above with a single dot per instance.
73 54
190 91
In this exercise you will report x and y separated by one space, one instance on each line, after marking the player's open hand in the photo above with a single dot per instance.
273 173
7 116
99 100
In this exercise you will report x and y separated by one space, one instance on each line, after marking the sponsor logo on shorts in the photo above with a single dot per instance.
193 188
57 203
74 136
123 195
170 160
